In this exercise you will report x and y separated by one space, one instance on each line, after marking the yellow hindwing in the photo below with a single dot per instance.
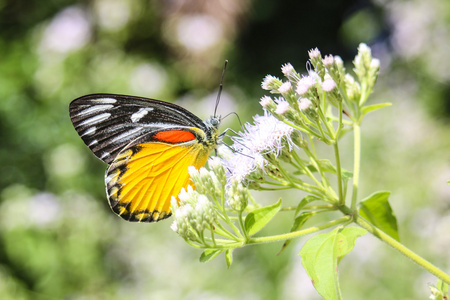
142 179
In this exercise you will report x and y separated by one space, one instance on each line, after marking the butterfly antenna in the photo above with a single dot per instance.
220 88
237 116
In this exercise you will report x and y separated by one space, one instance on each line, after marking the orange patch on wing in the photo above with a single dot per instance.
174 136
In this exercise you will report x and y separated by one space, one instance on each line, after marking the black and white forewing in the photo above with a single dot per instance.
107 122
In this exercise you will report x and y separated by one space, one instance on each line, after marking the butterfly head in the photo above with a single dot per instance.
212 132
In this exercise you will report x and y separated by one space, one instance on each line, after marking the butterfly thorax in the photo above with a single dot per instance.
212 137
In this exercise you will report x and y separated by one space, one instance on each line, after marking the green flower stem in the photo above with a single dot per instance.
194 245
311 191
311 143
303 186
307 120
220 230
338 131
343 92
356 163
274 188
308 172
324 136
274 183
402 249
365 92
345 122
295 234
325 182
319 207
302 129
241 223
221 244
330 129
310 207
224 216
339 172
213 238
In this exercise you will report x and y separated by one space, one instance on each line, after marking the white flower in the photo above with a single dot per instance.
204 215
174 226
375 63
304 104
186 196
237 196
287 69
285 87
338 61
181 220
328 85
265 101
242 164
328 61
282 107
267 135
314 53
217 171
305 84
271 83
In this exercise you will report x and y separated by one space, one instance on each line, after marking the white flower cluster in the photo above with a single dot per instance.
193 214
267 135
197 210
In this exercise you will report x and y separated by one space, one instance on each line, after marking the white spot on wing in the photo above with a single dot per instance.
96 119
94 109
106 100
94 142
105 154
90 131
127 135
109 177
140 114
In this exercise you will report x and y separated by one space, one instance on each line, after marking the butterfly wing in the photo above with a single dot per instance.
142 179
149 145
108 123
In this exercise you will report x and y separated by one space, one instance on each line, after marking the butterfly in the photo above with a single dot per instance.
148 145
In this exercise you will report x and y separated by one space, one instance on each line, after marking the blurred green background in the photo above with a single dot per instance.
58 236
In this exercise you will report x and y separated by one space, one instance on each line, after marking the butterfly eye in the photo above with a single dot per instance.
215 122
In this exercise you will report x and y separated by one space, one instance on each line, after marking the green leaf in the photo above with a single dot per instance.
258 218
210 254
347 239
344 131
321 255
324 164
305 201
298 223
369 108
377 210
229 257
346 175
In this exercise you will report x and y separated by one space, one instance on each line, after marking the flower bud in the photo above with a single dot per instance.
181 223
271 83
267 103
215 163
305 85
237 196
328 85
204 215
